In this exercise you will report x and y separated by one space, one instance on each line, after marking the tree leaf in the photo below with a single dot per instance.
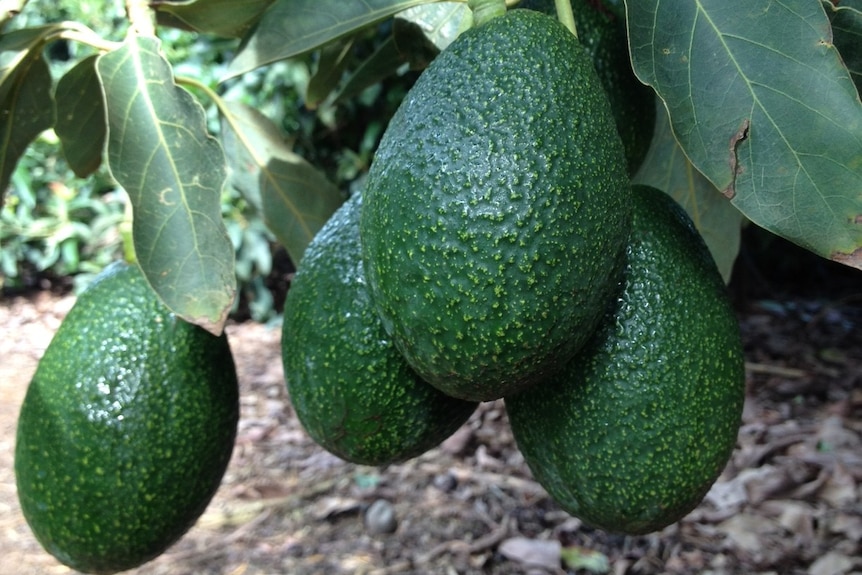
293 27
294 197
666 168
763 106
25 96
441 22
174 172
418 35
226 18
382 63
846 22
81 124
333 60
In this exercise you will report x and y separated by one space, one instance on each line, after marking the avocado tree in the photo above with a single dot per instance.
758 118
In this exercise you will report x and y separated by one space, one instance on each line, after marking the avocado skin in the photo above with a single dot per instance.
126 429
601 29
349 386
496 209
632 434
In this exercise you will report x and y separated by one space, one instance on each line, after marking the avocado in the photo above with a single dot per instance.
633 432
496 209
350 388
601 29
126 429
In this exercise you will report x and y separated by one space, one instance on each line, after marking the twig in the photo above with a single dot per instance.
221 544
456 546
501 480
233 513
790 372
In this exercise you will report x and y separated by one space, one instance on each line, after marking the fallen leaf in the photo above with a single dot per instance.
798 518
832 563
847 525
746 530
580 558
839 490
456 444
330 507
532 552
833 436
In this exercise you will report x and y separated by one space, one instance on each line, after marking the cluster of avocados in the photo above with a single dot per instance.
499 250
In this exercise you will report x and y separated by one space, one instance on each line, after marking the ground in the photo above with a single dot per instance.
789 501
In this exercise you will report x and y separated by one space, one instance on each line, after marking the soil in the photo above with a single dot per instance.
789 501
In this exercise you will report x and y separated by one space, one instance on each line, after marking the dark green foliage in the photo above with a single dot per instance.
349 386
496 209
631 435
126 428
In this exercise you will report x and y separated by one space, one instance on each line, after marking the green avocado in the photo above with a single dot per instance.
496 209
126 429
601 29
633 432
350 388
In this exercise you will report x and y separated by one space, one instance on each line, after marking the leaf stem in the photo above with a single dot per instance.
77 32
141 18
485 10
566 16
209 92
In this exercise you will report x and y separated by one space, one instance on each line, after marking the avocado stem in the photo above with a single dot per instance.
566 16
485 10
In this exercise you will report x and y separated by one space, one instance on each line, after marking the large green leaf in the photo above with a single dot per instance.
291 27
174 173
763 106
847 29
666 168
227 18
81 124
295 198
26 107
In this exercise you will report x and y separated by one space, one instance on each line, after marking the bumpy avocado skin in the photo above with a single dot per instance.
496 209
631 435
126 429
601 29
349 386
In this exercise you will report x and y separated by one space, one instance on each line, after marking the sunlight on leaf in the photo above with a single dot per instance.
441 23
293 27
294 197
764 107
667 169
174 172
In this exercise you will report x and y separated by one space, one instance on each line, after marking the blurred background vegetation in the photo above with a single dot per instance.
58 230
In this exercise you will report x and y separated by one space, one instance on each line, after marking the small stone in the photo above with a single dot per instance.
380 517
445 482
